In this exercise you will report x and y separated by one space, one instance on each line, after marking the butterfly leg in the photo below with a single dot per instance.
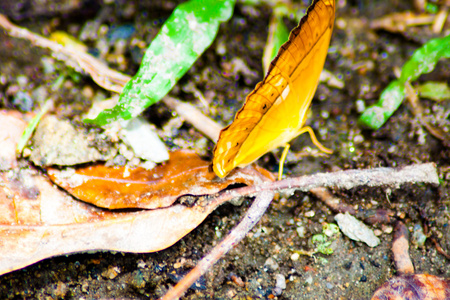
282 160
314 139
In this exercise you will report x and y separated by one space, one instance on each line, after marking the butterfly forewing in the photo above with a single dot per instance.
275 111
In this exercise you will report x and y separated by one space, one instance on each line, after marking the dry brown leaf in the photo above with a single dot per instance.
38 220
118 187
12 126
414 286
409 285
52 223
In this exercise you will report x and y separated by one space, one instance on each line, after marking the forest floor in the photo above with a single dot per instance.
362 58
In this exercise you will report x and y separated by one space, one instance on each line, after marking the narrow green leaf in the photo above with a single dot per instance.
391 98
26 135
422 61
437 91
278 35
190 29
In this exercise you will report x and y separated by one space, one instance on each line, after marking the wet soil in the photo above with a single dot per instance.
362 58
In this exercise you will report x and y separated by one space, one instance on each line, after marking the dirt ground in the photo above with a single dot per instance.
362 58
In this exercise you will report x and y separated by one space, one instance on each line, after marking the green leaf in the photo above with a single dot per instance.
190 29
391 98
423 61
26 135
278 35
431 8
436 91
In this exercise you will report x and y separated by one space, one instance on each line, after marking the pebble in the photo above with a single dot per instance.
309 280
138 134
360 106
111 272
301 230
280 284
61 290
295 256
271 264
23 101
418 237
310 214
356 230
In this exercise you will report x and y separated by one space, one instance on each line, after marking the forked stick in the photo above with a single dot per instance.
423 173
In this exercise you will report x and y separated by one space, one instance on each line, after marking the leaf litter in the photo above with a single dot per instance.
123 187
50 222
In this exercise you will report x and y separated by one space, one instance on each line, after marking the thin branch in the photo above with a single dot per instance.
336 204
348 179
418 111
104 76
253 215
420 173
195 117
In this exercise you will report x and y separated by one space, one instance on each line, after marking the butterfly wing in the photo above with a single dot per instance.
275 111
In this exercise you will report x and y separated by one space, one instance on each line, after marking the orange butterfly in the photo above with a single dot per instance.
275 112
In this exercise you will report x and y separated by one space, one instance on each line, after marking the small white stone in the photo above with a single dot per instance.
271 264
138 134
356 230
310 214
360 106
301 230
295 256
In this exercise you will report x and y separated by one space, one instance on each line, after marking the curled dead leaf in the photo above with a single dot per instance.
53 223
118 187
414 286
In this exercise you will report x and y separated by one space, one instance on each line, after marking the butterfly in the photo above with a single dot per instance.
275 111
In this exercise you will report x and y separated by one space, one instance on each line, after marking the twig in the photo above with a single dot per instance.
108 78
400 249
253 215
418 111
425 173
99 71
195 117
348 179
439 248
332 202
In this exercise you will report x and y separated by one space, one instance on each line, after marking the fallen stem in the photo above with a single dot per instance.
253 215
108 78
332 202
400 249
195 117
418 173
418 111
348 179
99 71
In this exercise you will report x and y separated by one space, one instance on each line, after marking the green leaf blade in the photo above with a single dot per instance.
187 33
423 61
278 35
437 91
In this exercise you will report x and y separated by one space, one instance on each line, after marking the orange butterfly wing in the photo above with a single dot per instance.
275 112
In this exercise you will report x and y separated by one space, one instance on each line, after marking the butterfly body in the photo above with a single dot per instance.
275 112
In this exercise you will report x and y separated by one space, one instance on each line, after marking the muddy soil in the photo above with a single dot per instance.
363 59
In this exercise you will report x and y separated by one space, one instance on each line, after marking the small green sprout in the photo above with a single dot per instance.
423 61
